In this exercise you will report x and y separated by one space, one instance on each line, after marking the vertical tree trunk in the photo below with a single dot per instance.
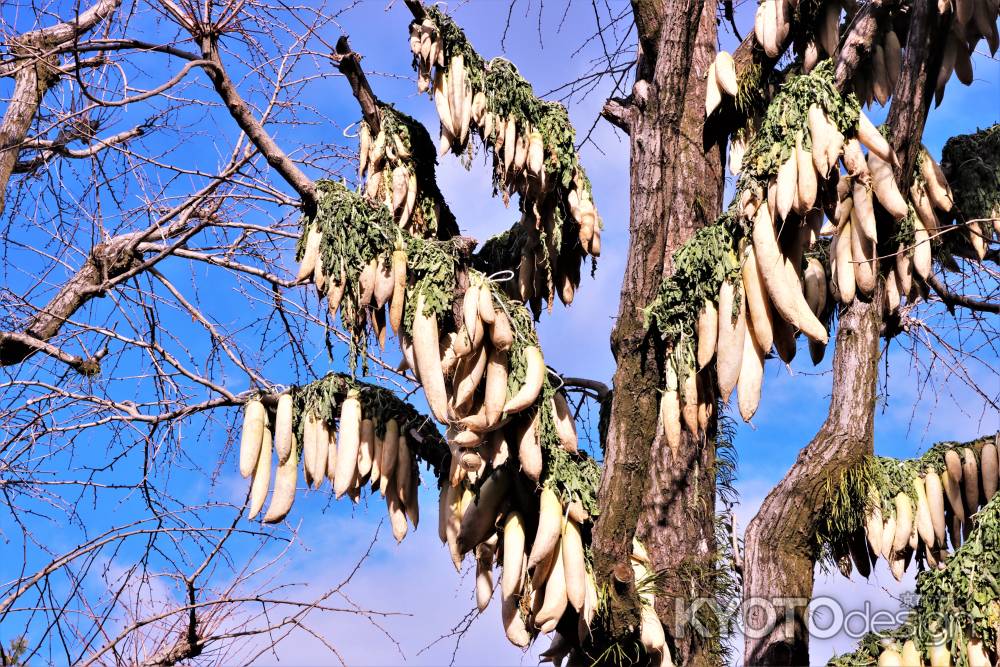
780 554
676 188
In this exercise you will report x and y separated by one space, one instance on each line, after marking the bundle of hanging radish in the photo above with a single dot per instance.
352 453
544 266
937 505
397 168
543 566
957 587
651 634
468 381
381 284
877 78
785 193
389 174
937 651
533 153
495 429
973 20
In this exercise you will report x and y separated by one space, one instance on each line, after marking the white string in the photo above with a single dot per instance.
347 130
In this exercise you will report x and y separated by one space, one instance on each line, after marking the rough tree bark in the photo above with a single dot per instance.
780 555
676 180
35 70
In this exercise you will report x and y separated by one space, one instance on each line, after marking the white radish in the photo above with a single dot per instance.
863 254
516 630
512 575
529 448
284 487
751 376
308 265
495 394
935 505
397 512
874 526
786 298
565 425
283 428
574 565
890 658
555 599
787 185
713 96
534 375
484 574
863 212
309 433
884 185
925 524
348 443
708 333
550 514
427 355
976 653
806 177
970 476
366 448
758 304
936 184
988 465
732 330
252 436
869 135
911 655
846 284
904 522
479 519
814 280
921 250
261 476
725 73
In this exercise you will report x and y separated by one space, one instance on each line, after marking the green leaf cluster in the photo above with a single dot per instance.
700 266
423 164
324 397
357 231
786 119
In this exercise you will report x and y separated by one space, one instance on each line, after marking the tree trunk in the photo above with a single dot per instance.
780 553
30 84
676 188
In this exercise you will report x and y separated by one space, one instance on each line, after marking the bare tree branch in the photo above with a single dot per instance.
951 299
349 64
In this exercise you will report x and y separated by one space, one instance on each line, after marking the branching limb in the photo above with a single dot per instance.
84 366
108 264
34 75
416 8
50 149
349 64
599 388
247 122
952 299
618 112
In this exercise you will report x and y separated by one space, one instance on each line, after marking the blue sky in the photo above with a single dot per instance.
417 577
